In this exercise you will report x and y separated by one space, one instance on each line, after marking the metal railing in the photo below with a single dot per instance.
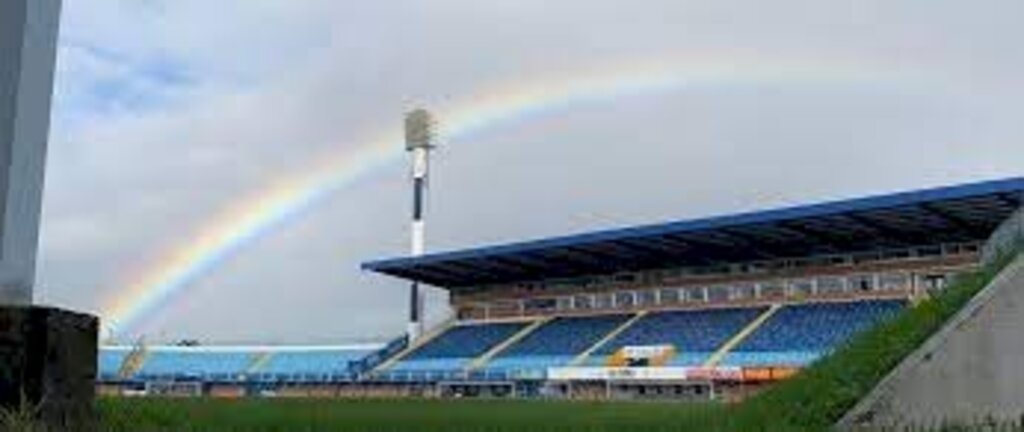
1007 239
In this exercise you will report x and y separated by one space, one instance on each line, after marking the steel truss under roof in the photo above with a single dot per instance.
962 213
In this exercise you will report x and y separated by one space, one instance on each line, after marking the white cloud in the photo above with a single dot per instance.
269 86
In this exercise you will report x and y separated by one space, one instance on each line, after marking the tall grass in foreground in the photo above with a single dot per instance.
21 418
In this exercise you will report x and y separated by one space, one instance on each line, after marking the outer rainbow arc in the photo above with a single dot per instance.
277 204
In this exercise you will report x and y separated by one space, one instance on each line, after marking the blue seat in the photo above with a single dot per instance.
772 358
433 364
800 334
453 350
694 334
312 361
556 343
110 361
196 363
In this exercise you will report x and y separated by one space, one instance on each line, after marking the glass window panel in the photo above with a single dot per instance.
603 301
830 285
624 299
646 298
540 305
862 283
718 294
582 302
800 288
894 282
669 296
564 303
743 292
695 294
772 290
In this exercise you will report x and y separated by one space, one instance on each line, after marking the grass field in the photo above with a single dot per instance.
399 415
812 401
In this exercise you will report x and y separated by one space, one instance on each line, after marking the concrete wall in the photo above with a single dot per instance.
971 369
28 40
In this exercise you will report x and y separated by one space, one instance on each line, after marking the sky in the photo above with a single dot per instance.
169 112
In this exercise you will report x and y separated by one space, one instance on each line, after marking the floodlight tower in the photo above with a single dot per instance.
419 140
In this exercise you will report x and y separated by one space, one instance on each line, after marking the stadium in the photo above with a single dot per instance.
718 308
890 310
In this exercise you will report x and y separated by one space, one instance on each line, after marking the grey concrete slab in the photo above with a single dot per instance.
972 369
28 43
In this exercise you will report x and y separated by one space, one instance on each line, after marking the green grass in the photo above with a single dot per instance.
397 415
812 401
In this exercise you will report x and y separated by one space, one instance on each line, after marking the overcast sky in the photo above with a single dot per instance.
169 111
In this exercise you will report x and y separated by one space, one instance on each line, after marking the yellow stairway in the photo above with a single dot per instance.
259 362
415 345
608 337
133 361
719 355
479 362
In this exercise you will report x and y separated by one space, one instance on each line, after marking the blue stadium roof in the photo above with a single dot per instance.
960 213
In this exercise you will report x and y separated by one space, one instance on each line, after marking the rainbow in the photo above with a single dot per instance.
244 222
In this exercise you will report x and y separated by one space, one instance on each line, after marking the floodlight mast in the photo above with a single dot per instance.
419 140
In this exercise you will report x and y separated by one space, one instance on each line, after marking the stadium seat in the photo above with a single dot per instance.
556 343
800 334
309 365
110 361
196 363
694 334
459 345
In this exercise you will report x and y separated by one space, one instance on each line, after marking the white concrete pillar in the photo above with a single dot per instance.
28 46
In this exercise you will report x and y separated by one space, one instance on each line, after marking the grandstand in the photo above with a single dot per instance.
693 308
137 369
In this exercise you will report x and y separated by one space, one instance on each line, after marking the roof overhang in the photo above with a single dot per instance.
962 213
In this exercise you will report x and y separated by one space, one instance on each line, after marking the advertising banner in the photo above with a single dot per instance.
645 373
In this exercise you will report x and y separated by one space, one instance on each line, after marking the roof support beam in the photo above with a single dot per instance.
597 258
831 242
640 253
900 237
514 261
628 259
433 275
720 251
644 256
749 242
609 250
496 263
465 270
529 260
690 250
1012 200
769 233
952 219
651 247
574 257
670 244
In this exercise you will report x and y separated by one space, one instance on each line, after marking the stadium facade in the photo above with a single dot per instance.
707 308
